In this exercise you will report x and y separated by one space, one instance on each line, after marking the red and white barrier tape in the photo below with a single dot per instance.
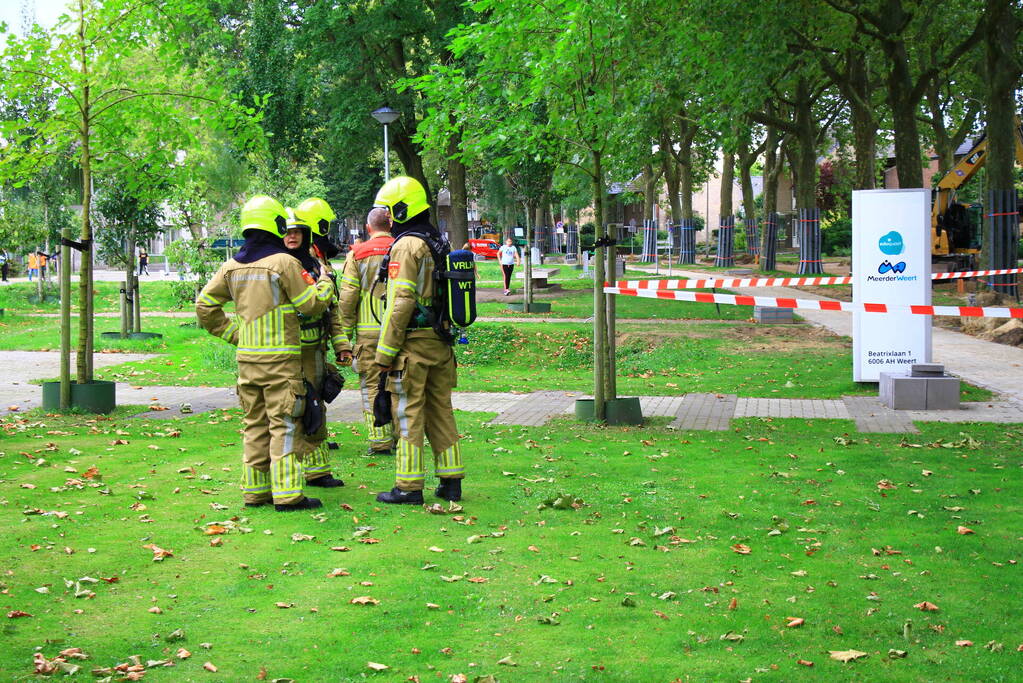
784 281
816 304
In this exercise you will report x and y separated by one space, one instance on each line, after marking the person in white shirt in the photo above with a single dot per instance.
508 255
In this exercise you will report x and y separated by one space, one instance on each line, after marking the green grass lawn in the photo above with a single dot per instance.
688 556
21 297
579 304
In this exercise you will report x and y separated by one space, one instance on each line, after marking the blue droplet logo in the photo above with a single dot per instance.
891 244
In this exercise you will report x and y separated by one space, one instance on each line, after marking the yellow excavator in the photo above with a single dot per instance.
955 227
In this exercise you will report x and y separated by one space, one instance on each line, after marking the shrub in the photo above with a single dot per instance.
836 235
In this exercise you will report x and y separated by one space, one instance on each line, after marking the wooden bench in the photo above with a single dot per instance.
539 275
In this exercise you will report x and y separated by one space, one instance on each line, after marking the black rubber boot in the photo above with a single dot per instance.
449 489
332 446
304 504
396 495
327 482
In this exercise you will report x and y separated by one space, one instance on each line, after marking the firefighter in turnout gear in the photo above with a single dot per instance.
312 218
269 288
362 310
419 360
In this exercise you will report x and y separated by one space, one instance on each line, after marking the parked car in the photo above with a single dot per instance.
484 249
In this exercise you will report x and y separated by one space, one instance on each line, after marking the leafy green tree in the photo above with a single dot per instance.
116 68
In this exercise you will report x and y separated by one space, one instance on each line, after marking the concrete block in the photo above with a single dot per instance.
771 315
900 391
927 370
942 393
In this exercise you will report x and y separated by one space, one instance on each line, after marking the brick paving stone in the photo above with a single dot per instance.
875 417
710 412
536 408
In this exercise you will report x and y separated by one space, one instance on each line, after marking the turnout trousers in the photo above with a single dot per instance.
312 448
381 439
420 383
273 398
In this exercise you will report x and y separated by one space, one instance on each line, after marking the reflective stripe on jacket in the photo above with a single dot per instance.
269 294
361 305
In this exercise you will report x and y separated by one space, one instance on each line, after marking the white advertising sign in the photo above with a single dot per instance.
891 265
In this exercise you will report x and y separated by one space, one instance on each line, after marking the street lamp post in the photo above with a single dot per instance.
386 115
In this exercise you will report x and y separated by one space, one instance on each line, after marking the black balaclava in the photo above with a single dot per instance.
304 256
326 247
259 244
418 223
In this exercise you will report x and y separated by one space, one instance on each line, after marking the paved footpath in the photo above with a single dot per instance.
689 412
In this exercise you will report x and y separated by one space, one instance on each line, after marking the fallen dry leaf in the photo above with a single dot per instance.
155 610
733 604
364 600
846 655
158 552
794 622
377 666
216 541
182 653
215 530
17 614
964 643
804 662
926 606
885 485
210 667
741 548
341 549
284 605
964 530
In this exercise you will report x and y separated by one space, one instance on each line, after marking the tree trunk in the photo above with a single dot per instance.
458 227
649 192
40 289
864 123
670 169
806 148
1002 29
903 109
749 207
65 321
527 272
128 310
773 163
599 298
85 303
411 160
727 181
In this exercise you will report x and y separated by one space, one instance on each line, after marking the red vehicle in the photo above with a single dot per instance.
484 249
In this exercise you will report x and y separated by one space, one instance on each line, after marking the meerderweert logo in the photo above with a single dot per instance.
891 244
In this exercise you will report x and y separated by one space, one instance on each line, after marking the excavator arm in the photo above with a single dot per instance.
956 177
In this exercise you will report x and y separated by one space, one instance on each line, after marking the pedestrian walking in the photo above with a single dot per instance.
33 265
270 290
313 217
143 262
5 265
415 349
362 308
508 255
